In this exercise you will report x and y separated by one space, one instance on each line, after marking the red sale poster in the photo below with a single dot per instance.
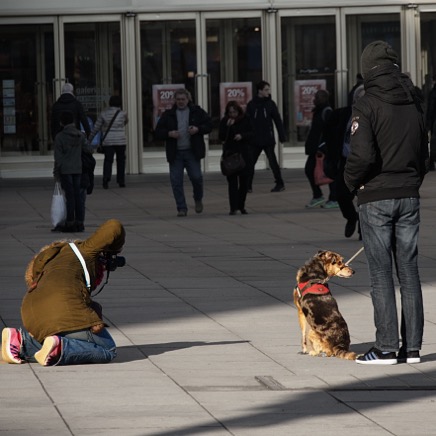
241 92
304 92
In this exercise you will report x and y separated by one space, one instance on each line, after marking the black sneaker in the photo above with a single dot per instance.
377 357
408 356
278 188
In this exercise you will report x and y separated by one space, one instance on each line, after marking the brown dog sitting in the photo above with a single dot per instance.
324 330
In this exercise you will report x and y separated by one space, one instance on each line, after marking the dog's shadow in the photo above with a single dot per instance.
131 353
363 347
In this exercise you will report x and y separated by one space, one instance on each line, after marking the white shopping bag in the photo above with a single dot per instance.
58 206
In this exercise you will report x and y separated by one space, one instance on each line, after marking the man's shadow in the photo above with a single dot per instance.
131 353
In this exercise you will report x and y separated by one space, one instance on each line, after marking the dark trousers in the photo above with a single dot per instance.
309 170
109 152
272 160
237 188
75 197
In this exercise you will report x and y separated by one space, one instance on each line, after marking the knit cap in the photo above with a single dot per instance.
377 53
67 88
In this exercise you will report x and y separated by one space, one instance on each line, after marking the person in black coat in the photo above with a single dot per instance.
385 168
67 102
183 128
236 132
263 112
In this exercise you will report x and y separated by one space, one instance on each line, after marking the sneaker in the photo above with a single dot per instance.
11 345
182 212
50 352
330 205
198 206
278 188
315 202
409 356
377 357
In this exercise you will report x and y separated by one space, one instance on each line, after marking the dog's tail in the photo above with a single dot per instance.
344 354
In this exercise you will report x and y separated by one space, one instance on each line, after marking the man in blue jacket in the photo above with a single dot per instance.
183 128
385 168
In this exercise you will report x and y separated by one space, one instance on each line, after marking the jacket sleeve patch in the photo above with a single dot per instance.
354 125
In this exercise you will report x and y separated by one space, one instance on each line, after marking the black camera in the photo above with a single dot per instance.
113 261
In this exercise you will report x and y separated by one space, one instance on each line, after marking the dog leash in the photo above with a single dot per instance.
353 257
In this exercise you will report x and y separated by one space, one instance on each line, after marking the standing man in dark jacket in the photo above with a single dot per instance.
263 112
67 102
386 166
183 128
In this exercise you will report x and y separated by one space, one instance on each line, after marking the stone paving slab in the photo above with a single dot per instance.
207 334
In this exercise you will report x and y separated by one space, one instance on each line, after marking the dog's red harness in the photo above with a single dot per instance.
312 288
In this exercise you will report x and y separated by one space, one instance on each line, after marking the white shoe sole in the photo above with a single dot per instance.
377 362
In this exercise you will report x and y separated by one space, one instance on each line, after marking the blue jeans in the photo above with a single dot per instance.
390 232
77 347
186 159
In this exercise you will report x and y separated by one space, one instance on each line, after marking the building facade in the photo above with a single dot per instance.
143 49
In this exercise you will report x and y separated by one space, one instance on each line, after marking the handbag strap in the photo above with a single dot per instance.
82 261
110 125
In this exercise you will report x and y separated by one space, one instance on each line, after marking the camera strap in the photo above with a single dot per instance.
82 261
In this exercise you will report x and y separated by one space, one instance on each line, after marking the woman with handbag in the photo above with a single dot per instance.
236 131
111 122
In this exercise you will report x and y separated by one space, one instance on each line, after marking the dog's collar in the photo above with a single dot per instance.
312 288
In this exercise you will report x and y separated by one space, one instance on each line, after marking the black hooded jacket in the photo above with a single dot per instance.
68 103
389 146
263 112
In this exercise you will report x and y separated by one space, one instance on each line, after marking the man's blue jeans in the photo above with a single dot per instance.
390 232
77 347
186 159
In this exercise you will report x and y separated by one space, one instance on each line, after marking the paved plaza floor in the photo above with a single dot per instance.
202 314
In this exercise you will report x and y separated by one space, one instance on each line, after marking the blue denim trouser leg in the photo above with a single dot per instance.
77 347
186 159
390 232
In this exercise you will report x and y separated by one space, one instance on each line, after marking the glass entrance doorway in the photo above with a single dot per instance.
308 64
26 76
93 64
233 64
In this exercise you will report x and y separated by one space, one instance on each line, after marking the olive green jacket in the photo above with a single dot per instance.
57 300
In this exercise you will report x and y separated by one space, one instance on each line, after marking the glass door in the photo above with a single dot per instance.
309 63
26 75
168 61
92 62
365 28
233 63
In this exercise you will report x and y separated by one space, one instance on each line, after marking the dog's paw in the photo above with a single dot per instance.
303 352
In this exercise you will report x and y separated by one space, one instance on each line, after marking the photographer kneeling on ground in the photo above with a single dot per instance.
62 325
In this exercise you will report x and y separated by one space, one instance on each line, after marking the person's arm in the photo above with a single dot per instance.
278 122
83 119
205 124
162 131
97 127
363 153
